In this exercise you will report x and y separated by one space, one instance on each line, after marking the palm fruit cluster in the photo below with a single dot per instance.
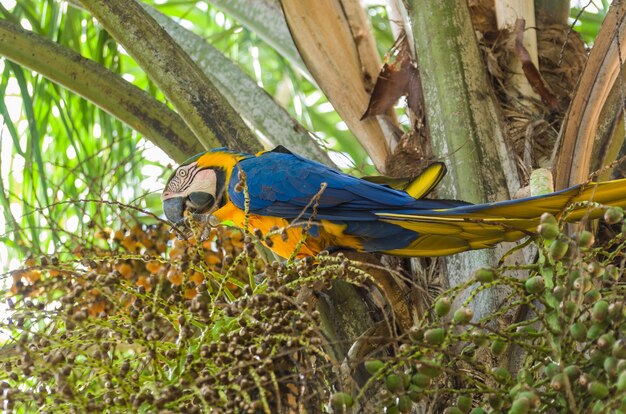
143 256
138 320
100 325
563 321
272 360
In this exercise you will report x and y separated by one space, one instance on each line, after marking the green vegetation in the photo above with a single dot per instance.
106 308
137 323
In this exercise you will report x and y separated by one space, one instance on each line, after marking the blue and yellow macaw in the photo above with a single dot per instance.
325 209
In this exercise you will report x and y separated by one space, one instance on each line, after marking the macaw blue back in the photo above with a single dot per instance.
288 186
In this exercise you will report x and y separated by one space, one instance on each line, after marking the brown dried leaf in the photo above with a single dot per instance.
394 80
338 48
414 94
530 70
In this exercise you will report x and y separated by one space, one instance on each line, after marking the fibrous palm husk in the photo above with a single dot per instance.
532 125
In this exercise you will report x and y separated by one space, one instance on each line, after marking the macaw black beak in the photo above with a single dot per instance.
201 202
173 209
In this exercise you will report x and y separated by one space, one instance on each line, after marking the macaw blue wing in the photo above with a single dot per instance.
289 186
284 185
347 212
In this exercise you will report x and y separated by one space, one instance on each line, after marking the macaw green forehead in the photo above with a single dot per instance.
191 159
197 156
219 150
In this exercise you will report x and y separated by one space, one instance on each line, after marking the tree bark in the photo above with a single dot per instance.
574 151
549 12
249 100
207 113
464 123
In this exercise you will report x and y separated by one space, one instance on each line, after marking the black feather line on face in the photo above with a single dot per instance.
178 182
220 185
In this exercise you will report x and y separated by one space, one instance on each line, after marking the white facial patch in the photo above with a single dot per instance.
188 179
204 181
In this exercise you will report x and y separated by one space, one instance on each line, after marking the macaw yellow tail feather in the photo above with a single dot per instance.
448 231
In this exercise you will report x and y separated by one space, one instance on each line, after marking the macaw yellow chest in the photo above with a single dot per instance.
284 241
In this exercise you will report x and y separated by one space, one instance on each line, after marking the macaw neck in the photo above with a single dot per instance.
223 159
224 163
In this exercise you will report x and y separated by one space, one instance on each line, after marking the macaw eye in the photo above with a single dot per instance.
201 201
182 173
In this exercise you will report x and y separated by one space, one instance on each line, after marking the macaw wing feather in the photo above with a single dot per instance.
484 225
280 149
418 187
289 186
575 200
428 179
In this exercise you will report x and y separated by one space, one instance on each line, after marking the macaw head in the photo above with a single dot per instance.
197 185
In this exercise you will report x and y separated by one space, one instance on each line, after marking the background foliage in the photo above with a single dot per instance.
106 309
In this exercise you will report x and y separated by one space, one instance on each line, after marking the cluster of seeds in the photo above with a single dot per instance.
142 321
562 347
141 256
75 316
